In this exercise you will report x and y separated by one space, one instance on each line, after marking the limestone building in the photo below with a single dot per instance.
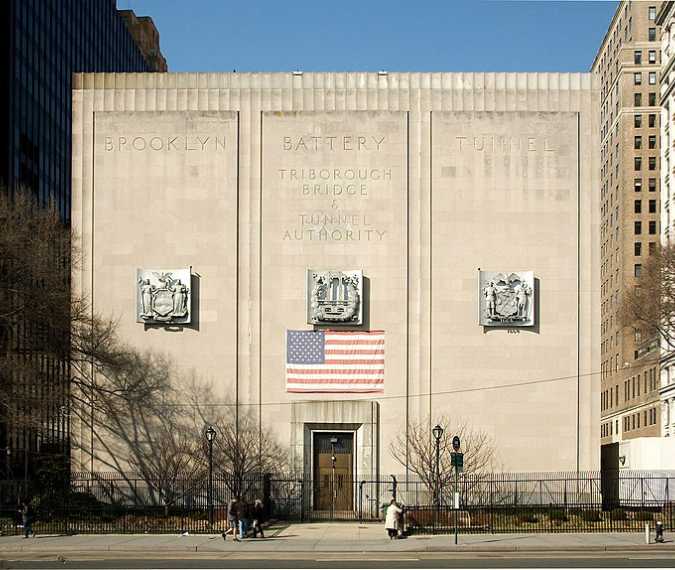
463 208
627 68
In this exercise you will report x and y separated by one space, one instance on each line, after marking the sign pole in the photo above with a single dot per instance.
456 505
457 461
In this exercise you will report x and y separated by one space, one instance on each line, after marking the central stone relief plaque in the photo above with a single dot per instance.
334 297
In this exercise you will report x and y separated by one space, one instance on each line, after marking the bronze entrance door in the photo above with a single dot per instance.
333 478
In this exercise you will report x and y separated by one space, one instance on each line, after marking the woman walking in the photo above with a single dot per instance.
391 519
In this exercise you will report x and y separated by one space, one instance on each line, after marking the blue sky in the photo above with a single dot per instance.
369 35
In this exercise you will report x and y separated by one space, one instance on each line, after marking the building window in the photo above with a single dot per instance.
652 163
652 184
637 206
637 248
637 56
637 162
651 35
637 97
652 13
638 142
652 206
651 56
637 271
652 120
652 227
652 247
637 121
652 99
637 185
637 78
652 141
638 228
652 77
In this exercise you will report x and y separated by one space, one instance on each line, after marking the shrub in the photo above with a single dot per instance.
527 517
590 516
645 516
617 515
480 519
557 515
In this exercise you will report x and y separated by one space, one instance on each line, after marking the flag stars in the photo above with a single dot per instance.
305 347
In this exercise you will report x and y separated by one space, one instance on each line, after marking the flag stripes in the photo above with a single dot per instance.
334 361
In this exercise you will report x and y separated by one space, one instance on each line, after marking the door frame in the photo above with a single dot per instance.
354 480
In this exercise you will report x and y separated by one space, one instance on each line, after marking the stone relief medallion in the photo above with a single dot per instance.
163 296
334 297
506 299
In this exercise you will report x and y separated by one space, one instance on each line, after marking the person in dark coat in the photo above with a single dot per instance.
244 517
27 519
258 518
232 518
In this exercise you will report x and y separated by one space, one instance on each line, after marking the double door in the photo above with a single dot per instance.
333 476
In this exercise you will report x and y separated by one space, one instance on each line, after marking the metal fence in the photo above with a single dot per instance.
536 502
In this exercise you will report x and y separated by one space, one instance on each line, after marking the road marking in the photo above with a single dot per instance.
367 559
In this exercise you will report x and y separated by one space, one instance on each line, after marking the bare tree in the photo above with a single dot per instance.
416 450
133 415
648 307
243 452
36 312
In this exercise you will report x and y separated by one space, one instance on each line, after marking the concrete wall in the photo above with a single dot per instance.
462 171
647 454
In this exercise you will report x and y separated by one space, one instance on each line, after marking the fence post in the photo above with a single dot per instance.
65 509
667 498
302 499
642 490
492 500
541 492
267 494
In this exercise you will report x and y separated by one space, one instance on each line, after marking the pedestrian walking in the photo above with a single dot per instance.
391 519
258 518
244 517
232 519
27 519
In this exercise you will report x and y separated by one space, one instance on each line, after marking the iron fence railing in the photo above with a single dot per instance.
536 502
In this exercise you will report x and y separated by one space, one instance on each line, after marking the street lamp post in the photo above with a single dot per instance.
210 436
437 431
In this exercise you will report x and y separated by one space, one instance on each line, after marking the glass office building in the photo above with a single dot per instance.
43 43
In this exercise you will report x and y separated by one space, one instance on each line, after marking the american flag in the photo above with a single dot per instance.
332 361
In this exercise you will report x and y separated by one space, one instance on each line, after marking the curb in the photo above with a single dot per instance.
162 551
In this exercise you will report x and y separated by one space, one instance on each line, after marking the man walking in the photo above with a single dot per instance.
232 518
27 519
243 512
258 518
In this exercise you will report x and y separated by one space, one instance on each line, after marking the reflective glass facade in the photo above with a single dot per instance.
43 43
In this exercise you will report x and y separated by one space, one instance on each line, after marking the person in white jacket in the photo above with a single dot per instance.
392 518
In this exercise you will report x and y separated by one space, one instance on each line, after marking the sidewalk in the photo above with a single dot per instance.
329 537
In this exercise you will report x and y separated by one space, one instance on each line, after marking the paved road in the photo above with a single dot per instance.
395 560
